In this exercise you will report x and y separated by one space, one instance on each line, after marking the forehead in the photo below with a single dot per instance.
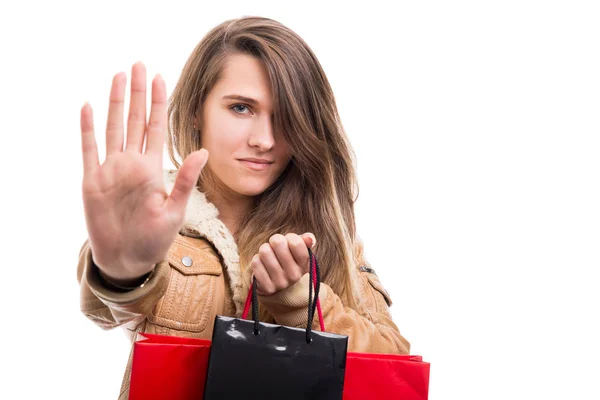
246 76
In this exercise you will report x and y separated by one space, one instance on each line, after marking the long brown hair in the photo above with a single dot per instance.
317 191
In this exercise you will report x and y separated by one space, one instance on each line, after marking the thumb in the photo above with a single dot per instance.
187 178
309 239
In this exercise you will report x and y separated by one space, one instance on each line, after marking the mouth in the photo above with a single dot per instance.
256 164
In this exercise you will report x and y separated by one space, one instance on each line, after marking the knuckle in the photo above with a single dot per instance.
276 239
295 276
281 284
266 287
154 124
264 249
290 237
296 241
136 116
184 181
112 125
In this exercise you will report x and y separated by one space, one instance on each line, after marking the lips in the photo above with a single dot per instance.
257 160
256 164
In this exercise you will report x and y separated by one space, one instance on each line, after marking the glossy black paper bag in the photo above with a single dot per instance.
255 360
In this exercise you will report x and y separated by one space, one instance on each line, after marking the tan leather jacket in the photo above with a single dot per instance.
200 278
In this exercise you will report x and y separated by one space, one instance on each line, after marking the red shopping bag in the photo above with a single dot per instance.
168 367
385 376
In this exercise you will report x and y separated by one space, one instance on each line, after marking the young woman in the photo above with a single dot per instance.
169 250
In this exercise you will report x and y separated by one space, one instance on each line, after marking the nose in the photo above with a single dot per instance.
262 135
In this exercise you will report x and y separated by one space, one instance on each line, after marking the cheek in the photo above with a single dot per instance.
225 134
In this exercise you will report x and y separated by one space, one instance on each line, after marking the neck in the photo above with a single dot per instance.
232 207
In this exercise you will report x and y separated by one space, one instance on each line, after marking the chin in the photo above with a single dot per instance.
251 190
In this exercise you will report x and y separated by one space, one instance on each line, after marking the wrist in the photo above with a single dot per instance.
126 284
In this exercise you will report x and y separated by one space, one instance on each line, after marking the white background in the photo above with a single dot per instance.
476 126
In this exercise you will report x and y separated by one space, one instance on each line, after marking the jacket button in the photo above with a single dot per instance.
187 261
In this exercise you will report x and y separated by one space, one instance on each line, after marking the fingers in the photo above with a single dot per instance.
136 122
89 148
187 178
273 266
157 124
291 269
299 248
282 262
309 239
264 285
114 123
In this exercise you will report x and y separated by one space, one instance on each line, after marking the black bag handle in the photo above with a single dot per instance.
314 274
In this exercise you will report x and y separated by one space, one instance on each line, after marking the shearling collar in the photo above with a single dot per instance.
201 218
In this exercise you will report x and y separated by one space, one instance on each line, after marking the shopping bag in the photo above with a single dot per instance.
168 367
250 359
386 377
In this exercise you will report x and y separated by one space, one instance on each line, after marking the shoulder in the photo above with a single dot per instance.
372 283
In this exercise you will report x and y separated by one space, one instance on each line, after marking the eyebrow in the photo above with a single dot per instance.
241 98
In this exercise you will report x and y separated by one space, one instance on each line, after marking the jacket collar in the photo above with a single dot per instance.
201 219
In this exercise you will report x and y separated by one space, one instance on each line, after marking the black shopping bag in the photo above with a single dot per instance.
251 359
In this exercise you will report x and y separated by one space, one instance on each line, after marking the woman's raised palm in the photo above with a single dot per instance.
130 218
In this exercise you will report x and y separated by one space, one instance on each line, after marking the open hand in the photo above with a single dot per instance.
131 220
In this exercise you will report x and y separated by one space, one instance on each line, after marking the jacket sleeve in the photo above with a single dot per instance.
109 308
371 331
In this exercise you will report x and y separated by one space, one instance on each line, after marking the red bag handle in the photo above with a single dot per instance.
313 304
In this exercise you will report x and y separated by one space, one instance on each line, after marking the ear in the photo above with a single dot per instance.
197 120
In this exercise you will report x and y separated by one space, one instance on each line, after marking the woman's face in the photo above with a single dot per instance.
246 155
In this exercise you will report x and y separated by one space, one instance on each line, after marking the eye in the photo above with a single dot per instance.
239 108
